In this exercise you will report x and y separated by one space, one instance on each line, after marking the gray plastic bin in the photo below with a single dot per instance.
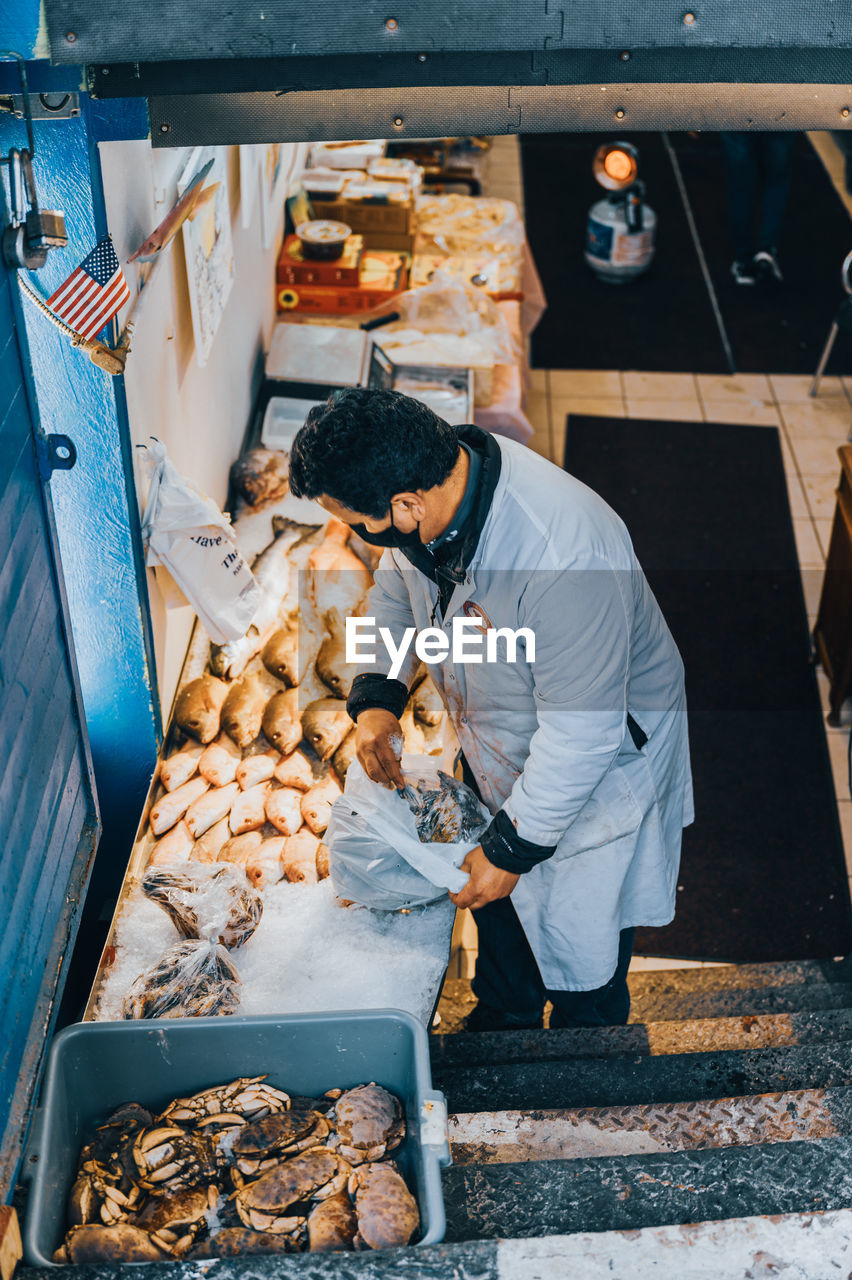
95 1066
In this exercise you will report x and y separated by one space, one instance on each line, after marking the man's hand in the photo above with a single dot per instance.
487 883
374 730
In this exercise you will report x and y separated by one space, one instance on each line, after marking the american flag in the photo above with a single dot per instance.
93 293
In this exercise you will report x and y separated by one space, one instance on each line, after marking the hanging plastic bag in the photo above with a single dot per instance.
186 533
191 980
376 857
214 902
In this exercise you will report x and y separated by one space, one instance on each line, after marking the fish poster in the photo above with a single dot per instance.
209 249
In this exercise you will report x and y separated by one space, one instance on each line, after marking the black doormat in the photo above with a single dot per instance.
664 320
763 875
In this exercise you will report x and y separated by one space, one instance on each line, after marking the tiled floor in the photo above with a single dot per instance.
811 430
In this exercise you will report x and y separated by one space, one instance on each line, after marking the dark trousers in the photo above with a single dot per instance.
758 167
507 976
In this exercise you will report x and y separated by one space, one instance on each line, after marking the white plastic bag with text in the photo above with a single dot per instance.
187 534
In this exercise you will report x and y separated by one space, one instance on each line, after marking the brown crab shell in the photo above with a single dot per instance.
233 1242
313 1173
387 1211
122 1243
332 1224
369 1122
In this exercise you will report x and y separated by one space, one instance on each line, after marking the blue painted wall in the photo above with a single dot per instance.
96 505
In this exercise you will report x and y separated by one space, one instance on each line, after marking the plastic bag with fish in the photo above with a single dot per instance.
187 534
203 901
193 979
376 857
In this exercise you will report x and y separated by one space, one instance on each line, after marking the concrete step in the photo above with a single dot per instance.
629 1081
555 1197
697 1035
502 1137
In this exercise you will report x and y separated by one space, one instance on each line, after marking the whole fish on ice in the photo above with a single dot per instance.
198 707
271 571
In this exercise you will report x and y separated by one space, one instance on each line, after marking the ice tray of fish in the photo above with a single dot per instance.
256 752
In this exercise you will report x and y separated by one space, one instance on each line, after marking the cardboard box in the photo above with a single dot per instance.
383 275
368 217
294 268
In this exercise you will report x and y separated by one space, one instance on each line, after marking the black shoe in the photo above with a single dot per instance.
743 273
766 268
485 1018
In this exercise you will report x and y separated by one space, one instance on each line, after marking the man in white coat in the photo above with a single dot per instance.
578 747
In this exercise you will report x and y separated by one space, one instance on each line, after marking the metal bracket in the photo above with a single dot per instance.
57 105
57 453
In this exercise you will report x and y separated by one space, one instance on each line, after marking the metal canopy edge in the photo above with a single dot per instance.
227 119
548 66
89 31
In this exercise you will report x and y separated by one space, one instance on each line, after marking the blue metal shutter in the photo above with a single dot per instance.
49 822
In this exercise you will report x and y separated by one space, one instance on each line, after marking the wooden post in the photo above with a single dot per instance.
11 1250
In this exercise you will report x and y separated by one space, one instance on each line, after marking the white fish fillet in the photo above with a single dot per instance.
207 846
300 858
259 768
171 807
282 810
247 811
174 846
181 766
295 771
316 804
210 808
219 762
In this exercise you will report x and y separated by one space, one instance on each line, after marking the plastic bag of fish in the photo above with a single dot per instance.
192 979
391 851
214 902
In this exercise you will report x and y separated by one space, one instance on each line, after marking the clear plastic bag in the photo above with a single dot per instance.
376 857
213 902
185 532
191 980
446 305
458 224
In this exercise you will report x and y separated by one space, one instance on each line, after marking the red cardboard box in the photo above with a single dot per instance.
383 275
294 268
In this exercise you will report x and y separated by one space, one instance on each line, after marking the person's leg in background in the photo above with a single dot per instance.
739 151
776 155
608 1006
506 982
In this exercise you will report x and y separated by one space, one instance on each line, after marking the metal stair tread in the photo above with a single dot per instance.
690 1035
661 1003
500 1137
728 977
554 1197
615 1081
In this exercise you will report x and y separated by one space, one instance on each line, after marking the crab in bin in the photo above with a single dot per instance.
302 1171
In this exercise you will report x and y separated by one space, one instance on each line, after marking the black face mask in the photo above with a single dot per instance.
391 537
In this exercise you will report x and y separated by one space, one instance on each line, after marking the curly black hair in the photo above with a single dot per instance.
361 447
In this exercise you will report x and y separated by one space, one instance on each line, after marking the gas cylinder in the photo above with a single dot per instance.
620 237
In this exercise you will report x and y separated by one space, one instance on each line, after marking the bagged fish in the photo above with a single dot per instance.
185 532
215 902
193 979
376 855
445 810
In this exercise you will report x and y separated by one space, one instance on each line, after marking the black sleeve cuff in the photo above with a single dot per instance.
503 847
376 691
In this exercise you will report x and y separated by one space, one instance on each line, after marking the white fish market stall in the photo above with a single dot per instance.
92 656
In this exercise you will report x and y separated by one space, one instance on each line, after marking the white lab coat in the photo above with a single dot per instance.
548 741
